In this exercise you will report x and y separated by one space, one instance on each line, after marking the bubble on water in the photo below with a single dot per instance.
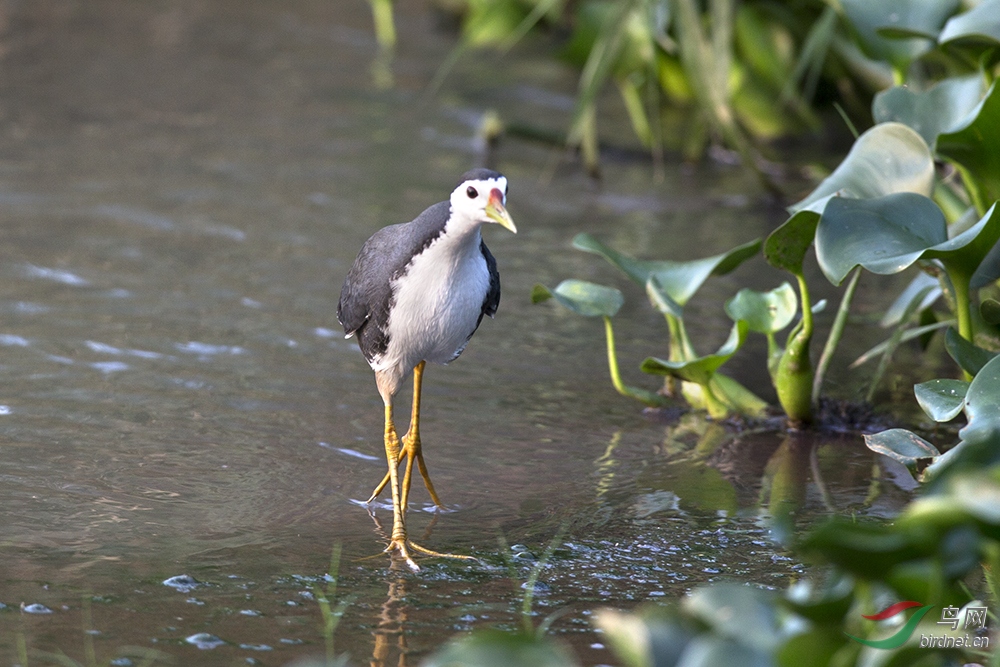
256 647
204 641
182 583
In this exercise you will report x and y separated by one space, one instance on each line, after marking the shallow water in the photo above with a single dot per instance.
182 189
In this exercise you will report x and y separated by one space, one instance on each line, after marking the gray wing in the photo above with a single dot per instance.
492 300
366 297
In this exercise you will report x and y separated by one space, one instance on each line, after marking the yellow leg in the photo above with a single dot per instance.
411 449
398 539
401 488
411 442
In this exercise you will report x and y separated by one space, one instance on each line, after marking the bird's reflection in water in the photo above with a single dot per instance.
390 635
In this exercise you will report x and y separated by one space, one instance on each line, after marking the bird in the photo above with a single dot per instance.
416 293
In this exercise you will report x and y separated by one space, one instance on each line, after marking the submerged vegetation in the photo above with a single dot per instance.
917 192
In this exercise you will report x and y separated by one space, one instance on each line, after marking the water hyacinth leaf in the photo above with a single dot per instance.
970 357
699 370
764 312
738 397
826 607
868 550
643 639
709 651
933 111
750 619
979 24
888 234
983 397
988 270
884 235
813 648
491 22
886 159
785 248
968 249
679 280
941 399
494 648
973 147
903 446
582 297
922 280
660 299
979 495
869 19
990 310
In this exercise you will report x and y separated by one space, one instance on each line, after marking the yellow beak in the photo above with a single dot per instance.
496 211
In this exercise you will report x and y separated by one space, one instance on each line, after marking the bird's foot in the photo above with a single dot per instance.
404 548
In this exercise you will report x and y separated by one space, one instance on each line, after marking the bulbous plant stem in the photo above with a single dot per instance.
794 379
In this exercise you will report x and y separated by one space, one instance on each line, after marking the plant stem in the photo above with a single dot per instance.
385 27
836 333
960 285
649 398
963 313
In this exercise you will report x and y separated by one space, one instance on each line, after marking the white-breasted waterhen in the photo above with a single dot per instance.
416 293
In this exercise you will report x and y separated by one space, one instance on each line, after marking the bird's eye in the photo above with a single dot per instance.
472 192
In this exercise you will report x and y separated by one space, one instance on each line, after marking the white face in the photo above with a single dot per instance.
471 197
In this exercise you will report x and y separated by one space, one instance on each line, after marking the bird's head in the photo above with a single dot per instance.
481 197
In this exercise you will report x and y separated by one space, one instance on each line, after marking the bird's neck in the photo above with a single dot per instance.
461 235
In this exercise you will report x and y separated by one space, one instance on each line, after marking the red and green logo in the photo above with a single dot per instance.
899 638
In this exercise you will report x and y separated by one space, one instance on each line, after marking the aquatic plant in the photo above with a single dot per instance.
669 286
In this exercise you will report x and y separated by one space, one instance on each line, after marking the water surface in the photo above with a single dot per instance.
183 187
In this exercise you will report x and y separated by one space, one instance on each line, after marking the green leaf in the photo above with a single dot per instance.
973 145
888 234
699 370
679 280
886 159
979 24
941 399
740 399
709 651
884 235
982 401
990 310
904 446
491 22
828 607
741 613
938 109
494 648
582 297
869 18
908 335
786 247
764 312
979 495
660 299
644 638
868 550
922 280
970 357
813 648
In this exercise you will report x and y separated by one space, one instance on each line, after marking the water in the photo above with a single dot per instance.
187 436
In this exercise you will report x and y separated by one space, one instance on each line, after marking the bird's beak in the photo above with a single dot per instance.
496 211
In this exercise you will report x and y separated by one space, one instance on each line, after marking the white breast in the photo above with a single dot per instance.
436 304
